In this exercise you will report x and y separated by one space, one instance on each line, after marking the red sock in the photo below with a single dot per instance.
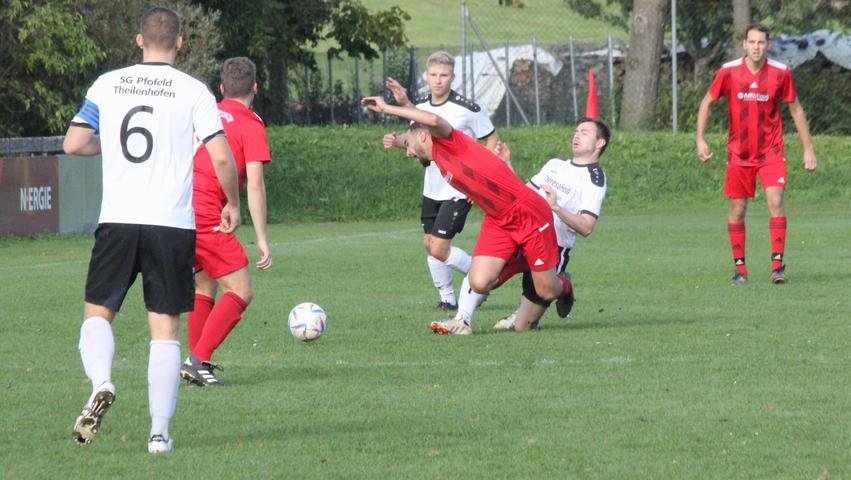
736 230
223 318
777 232
197 318
566 286
514 266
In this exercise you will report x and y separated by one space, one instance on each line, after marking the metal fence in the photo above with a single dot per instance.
520 74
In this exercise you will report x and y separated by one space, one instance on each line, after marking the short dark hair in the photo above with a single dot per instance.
239 74
160 27
603 131
417 126
760 28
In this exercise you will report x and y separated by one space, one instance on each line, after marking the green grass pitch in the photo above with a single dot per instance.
663 371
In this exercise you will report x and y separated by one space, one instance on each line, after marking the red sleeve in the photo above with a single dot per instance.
718 88
255 146
787 88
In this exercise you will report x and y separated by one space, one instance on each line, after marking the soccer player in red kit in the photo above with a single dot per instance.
516 218
755 86
220 260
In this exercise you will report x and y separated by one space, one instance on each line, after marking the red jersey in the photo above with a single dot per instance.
477 172
246 135
755 133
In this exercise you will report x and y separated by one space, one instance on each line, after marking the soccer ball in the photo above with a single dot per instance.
307 321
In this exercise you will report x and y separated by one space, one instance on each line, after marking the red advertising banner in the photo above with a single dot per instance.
29 195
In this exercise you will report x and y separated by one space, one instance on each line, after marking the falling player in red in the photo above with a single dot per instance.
755 86
516 218
220 260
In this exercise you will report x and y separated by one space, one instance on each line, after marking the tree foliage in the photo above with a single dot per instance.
113 28
280 34
705 27
43 51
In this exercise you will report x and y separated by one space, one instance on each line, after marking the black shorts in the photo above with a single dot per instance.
164 255
529 286
444 218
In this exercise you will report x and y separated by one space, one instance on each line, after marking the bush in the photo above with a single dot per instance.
343 173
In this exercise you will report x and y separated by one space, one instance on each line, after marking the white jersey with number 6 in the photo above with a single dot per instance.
147 116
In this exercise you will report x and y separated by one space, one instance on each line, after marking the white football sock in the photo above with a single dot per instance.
468 301
441 275
459 260
97 347
163 382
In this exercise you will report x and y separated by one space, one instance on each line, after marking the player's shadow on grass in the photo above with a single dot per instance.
585 324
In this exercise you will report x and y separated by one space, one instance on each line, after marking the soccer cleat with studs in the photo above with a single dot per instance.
200 373
778 275
88 423
159 444
739 279
451 327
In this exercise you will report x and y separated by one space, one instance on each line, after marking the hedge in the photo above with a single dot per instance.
342 173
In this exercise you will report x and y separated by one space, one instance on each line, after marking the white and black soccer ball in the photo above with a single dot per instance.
307 321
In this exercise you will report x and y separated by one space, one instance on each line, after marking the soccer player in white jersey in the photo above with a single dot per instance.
575 190
143 120
444 209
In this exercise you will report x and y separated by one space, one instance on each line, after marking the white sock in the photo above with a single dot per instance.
468 301
459 260
163 381
441 275
97 347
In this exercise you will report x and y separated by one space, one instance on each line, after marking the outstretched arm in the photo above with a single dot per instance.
702 119
398 92
800 119
438 127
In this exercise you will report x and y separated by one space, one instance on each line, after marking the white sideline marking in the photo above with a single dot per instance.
389 234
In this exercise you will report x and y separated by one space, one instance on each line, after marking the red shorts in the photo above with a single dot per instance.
527 226
218 253
741 179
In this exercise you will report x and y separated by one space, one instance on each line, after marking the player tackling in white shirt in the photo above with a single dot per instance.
444 209
143 120
575 190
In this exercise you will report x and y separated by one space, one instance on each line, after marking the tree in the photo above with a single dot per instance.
741 20
642 62
50 51
43 45
279 34
705 28
113 27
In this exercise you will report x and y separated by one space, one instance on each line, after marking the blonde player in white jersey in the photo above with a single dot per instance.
575 190
444 209
142 120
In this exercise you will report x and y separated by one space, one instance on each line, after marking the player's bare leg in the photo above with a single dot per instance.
551 285
777 232
528 315
163 378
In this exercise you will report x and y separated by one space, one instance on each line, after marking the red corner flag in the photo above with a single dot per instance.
592 109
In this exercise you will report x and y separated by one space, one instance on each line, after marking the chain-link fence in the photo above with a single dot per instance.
519 62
